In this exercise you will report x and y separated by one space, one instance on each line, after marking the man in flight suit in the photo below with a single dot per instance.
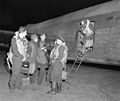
33 53
59 63
51 59
18 49
84 37
41 59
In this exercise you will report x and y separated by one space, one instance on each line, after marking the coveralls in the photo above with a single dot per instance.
42 62
33 53
58 65
52 56
15 79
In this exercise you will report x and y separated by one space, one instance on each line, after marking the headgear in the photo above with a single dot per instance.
43 37
22 32
59 40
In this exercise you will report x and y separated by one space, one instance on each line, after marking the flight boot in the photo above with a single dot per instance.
53 89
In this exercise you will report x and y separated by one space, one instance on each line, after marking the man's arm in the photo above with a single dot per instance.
32 49
15 48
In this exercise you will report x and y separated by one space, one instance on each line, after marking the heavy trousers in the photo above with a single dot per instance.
15 81
56 78
49 72
39 74
56 75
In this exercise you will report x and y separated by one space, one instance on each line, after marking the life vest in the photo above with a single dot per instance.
21 45
64 59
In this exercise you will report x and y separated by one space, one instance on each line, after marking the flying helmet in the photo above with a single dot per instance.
43 37
83 21
34 37
21 29
22 32
59 40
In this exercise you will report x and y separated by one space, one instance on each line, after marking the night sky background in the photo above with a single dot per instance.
16 13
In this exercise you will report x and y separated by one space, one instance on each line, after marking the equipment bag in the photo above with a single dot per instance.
25 67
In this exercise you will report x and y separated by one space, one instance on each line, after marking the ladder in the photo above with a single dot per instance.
72 76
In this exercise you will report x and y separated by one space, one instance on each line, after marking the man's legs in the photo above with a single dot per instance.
53 88
41 75
15 81
59 78
33 78
12 82
49 74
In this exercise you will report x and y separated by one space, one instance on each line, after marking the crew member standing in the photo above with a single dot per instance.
59 63
41 59
33 54
18 49
51 59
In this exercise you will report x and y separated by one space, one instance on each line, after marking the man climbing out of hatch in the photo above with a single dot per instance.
59 62
85 36
33 45
18 50
41 60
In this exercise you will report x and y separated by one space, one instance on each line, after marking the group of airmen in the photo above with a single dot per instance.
34 52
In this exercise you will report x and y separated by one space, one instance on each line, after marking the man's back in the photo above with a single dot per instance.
32 51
